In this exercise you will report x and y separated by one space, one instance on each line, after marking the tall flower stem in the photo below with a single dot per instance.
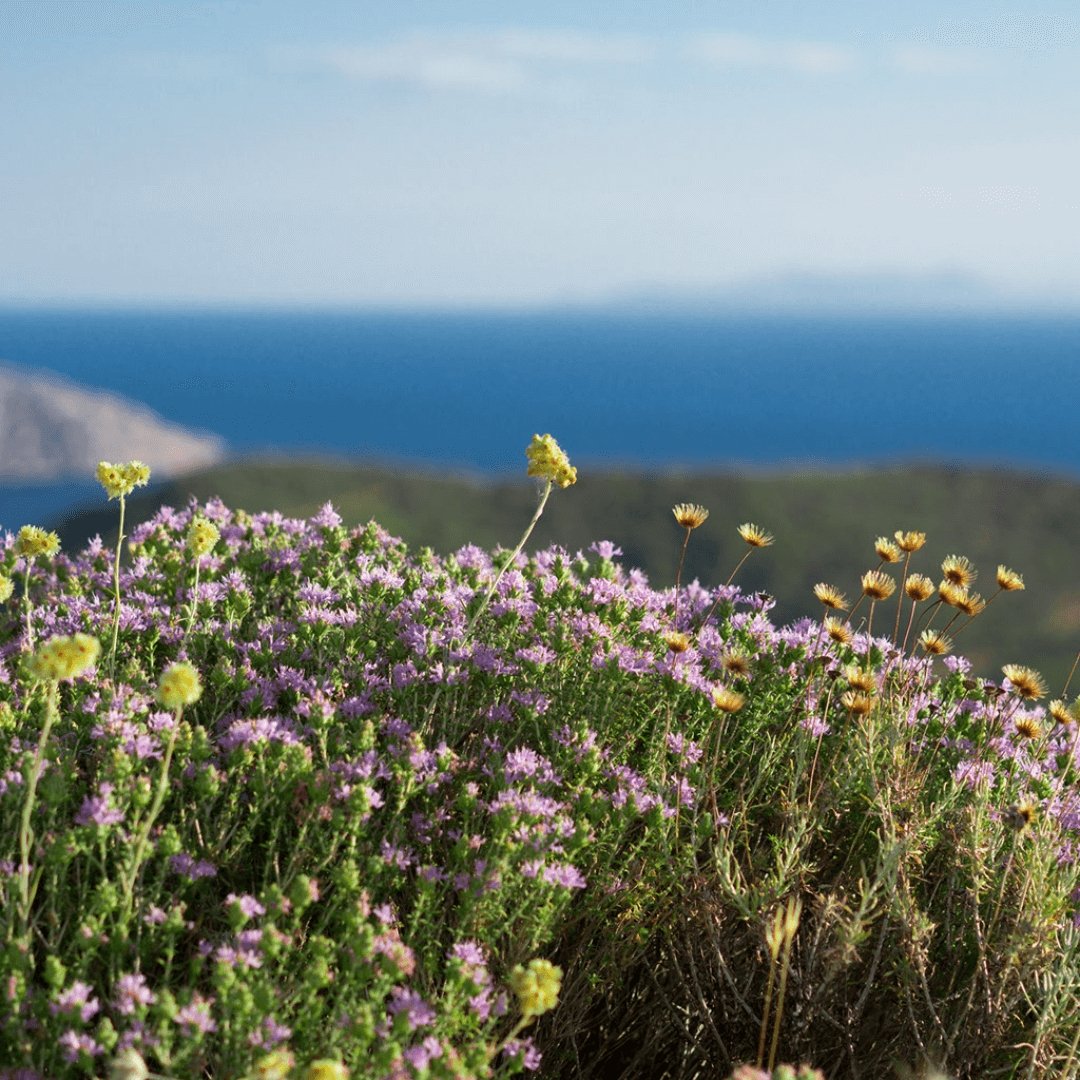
678 574
26 829
28 607
194 598
116 592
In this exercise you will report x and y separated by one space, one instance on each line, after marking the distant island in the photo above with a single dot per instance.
51 430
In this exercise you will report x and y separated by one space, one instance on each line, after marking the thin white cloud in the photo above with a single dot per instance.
744 51
500 61
934 60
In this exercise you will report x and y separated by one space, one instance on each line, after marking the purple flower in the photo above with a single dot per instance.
415 1008
188 867
77 997
96 810
74 1044
248 905
131 992
196 1016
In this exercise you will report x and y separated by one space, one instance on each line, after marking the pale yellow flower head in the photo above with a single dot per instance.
179 686
276 1065
690 515
548 461
754 536
128 1065
326 1069
6 588
728 701
32 542
64 657
120 480
202 535
536 986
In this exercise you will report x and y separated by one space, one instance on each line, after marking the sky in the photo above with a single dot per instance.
525 152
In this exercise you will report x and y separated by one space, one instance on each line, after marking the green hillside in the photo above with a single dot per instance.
824 524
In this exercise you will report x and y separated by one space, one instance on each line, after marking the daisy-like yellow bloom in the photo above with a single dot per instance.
856 703
970 604
536 987
755 536
1021 815
32 542
180 685
1027 682
838 631
886 550
276 1065
1027 728
677 642
736 663
951 594
934 643
729 701
830 596
860 679
120 480
690 515
202 535
909 541
548 461
64 657
7 587
919 587
1059 711
1009 580
326 1069
877 585
958 570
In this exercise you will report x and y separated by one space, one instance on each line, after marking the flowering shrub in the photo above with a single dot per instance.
345 809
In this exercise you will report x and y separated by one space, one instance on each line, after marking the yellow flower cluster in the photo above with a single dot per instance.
119 480
202 535
276 1065
6 588
64 657
548 461
32 542
536 986
179 686
326 1069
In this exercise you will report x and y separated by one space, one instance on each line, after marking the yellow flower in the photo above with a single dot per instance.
909 541
959 571
276 1065
1021 815
118 480
1059 711
830 596
919 587
64 657
934 643
690 515
547 461
32 542
951 593
128 1065
536 986
6 588
1027 682
729 701
202 535
838 631
1009 580
860 679
754 536
677 641
886 550
877 585
326 1069
179 686
970 604
859 704
1027 728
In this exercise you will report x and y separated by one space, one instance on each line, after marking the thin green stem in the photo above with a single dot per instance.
27 606
116 592
194 598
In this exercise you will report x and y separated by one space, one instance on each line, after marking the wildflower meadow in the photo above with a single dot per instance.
282 798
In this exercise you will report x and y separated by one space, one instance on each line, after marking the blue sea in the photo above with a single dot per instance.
648 391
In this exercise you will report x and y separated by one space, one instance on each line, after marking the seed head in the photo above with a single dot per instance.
860 679
690 515
179 686
547 461
934 643
32 542
728 701
536 986
1021 814
886 550
959 571
736 663
118 480
1027 682
677 642
755 536
1060 711
202 535
830 596
877 585
64 657
1027 728
909 541
971 604
1009 580
838 631
856 703
919 587
951 594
